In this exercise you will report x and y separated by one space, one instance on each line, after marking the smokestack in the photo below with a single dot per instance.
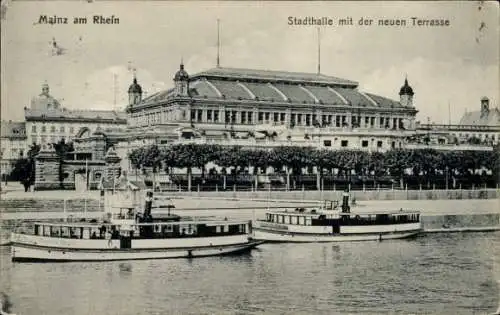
148 204
345 201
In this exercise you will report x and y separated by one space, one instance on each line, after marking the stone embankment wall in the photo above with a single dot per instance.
358 195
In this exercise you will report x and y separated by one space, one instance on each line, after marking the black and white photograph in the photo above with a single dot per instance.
249 157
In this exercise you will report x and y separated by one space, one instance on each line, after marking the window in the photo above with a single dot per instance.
53 129
216 116
292 118
71 129
250 117
301 220
61 129
209 115
261 117
327 143
33 128
282 117
379 144
243 117
393 144
227 116
364 143
308 119
299 119
200 114
44 129
275 117
266 115
193 115
344 143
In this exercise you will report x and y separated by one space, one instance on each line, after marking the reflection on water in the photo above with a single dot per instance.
438 274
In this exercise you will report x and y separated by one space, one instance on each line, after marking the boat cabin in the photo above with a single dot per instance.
174 229
319 217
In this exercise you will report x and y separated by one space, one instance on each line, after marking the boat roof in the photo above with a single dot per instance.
309 212
97 225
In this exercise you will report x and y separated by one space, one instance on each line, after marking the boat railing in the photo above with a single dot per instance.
170 223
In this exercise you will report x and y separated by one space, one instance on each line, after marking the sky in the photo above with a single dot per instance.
450 68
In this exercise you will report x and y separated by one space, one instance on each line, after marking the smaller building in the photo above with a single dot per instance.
48 122
12 145
476 128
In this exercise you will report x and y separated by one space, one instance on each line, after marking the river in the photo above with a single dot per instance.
439 273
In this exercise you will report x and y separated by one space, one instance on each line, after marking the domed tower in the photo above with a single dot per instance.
134 93
406 95
44 101
45 89
181 81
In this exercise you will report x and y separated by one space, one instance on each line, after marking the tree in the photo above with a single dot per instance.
397 161
187 156
136 158
24 168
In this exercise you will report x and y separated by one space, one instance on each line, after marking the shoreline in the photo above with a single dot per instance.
271 196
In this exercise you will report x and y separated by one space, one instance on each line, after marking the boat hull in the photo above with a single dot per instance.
281 236
21 252
35 248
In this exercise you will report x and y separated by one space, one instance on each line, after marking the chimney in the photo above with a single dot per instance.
485 106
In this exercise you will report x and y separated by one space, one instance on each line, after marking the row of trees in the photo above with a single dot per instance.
346 164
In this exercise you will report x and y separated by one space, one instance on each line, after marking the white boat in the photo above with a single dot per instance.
128 235
330 223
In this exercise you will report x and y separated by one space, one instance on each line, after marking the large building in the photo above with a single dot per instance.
48 122
273 106
12 145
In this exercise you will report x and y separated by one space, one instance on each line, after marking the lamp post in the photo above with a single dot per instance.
446 177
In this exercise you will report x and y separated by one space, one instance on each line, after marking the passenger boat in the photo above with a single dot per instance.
331 223
128 234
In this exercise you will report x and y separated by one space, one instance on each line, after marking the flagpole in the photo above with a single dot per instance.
86 174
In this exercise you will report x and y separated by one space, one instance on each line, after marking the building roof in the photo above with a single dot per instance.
275 86
477 118
279 92
12 129
76 115
121 183
273 76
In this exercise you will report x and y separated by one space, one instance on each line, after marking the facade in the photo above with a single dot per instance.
12 145
48 122
226 105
